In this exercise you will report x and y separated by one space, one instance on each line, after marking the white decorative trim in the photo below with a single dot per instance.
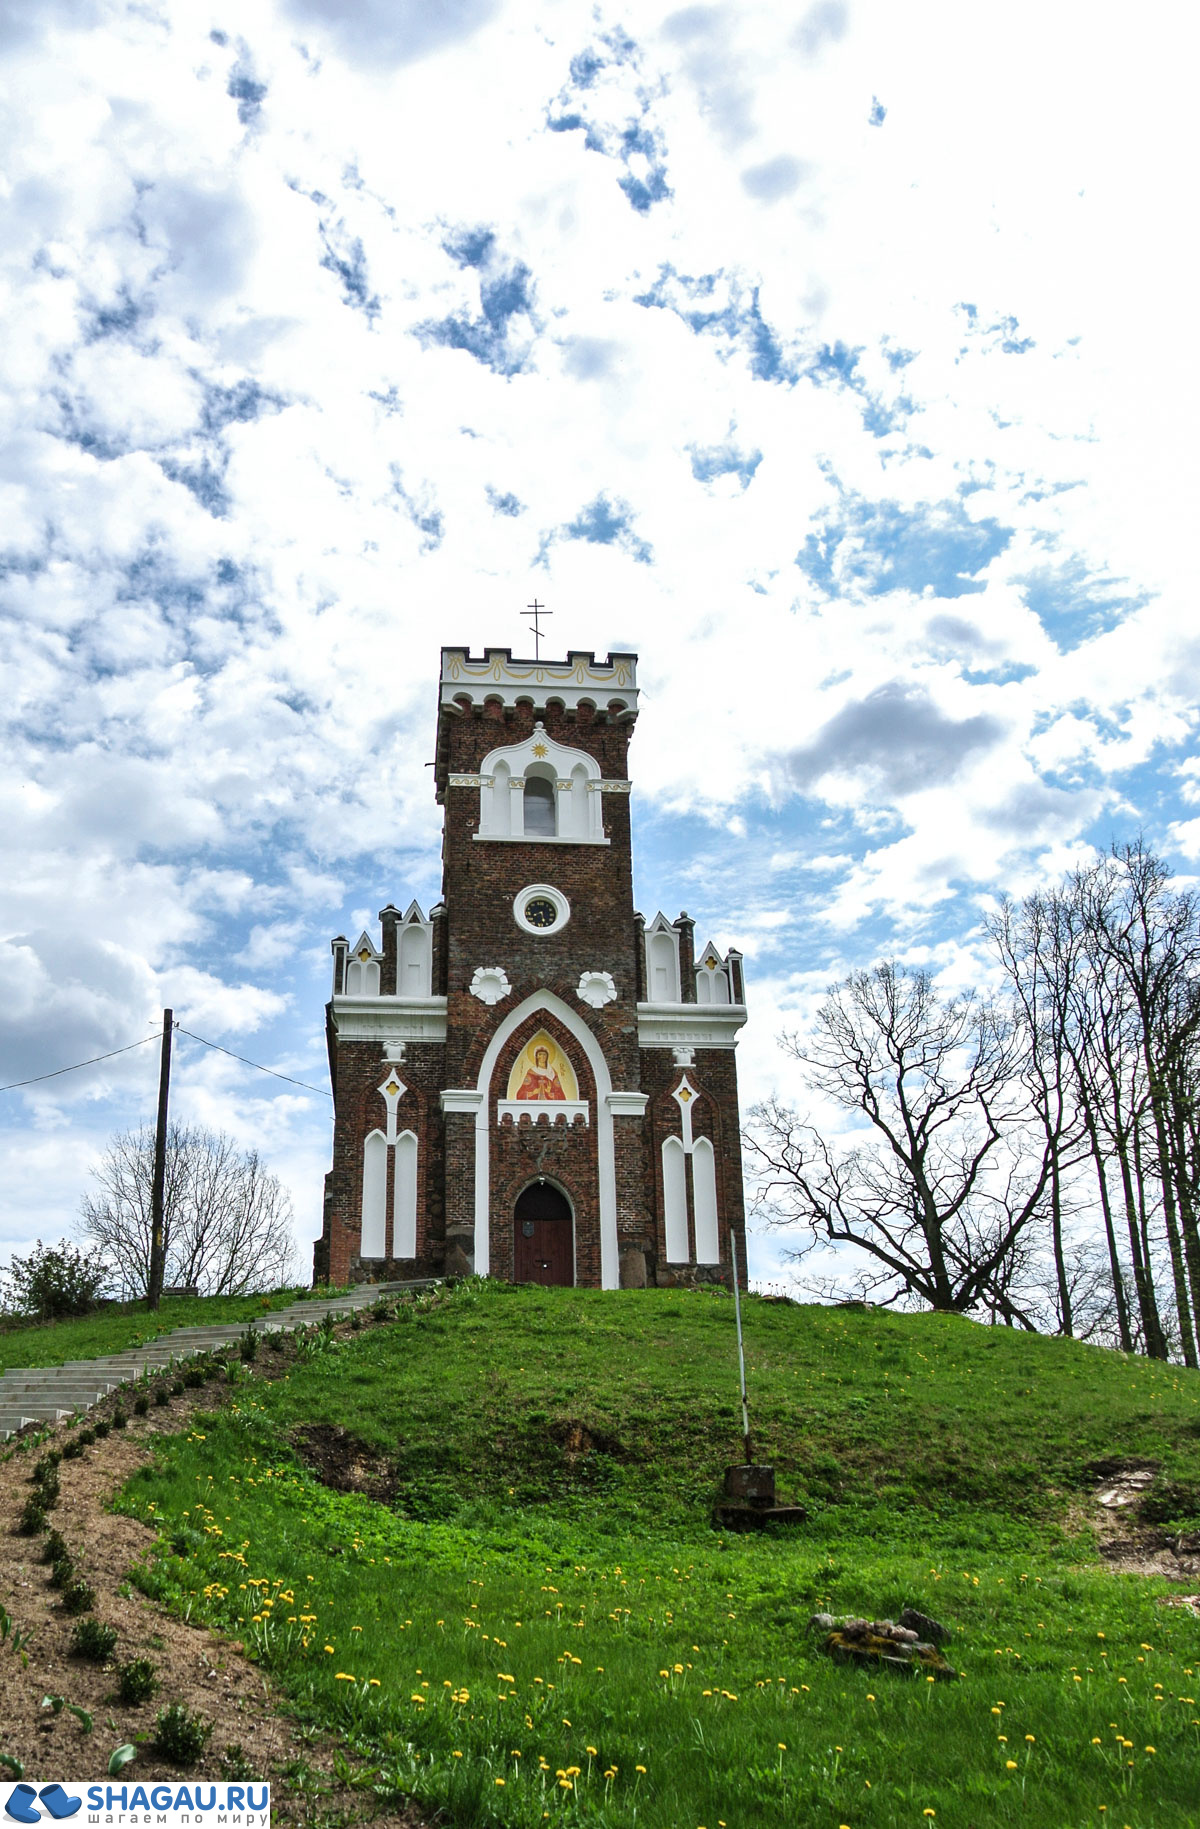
704 1202
462 1098
628 1104
611 787
404 1196
391 1092
525 838
689 1025
504 778
605 1150
490 984
542 1111
661 929
685 1096
683 1057
372 1223
580 677
675 1214
389 1021
551 894
596 989
465 781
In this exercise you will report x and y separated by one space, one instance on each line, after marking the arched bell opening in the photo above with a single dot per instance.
544 1236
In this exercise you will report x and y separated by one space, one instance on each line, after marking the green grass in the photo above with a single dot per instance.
120 1325
533 1620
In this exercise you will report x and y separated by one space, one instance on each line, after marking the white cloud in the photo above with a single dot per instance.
244 500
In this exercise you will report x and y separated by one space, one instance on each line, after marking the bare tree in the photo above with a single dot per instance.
949 1161
1148 936
227 1223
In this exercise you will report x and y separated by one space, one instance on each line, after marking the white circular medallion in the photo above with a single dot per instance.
596 989
490 984
539 909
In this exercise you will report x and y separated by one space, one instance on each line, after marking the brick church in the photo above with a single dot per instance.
531 1081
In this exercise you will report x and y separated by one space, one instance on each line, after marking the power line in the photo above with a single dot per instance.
255 1064
113 1052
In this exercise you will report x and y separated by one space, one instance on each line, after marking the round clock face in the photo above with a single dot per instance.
541 909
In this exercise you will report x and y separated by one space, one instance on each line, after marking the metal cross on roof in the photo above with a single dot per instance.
536 611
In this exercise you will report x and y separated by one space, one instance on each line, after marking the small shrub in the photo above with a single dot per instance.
44 1480
92 1639
62 1573
80 1597
137 1681
356 1320
194 1378
32 1520
53 1281
249 1346
141 1405
119 1419
177 1388
179 1735
44 1467
72 1449
54 1548
86 1437
235 1764
274 1340
162 1395
101 1429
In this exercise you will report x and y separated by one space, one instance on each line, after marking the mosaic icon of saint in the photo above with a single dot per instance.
541 1081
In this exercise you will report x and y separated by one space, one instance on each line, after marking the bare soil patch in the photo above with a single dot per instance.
343 1462
194 1665
1126 1537
576 1441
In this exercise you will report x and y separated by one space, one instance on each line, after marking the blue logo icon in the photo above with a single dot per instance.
21 1808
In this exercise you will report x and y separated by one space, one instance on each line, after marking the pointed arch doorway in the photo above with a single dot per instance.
544 1243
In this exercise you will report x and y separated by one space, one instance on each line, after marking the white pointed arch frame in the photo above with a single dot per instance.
608 1104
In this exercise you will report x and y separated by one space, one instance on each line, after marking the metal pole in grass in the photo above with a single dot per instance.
737 1310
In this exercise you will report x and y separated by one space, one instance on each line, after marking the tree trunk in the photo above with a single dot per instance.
1139 1249
1114 1261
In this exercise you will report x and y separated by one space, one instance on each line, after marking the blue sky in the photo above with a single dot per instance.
839 359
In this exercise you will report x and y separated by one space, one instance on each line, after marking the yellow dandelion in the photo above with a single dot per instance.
1010 1765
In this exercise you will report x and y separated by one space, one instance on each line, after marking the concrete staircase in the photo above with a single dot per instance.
46 1394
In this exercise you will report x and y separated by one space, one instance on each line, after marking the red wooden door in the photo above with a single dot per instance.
544 1246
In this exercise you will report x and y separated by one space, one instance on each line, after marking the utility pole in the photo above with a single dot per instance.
155 1281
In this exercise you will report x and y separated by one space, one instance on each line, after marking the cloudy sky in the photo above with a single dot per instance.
838 358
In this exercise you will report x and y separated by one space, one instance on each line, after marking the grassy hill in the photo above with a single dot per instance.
477 1538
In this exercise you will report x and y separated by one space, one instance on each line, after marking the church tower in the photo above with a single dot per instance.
531 1082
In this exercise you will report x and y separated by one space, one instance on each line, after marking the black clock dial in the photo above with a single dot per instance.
540 911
